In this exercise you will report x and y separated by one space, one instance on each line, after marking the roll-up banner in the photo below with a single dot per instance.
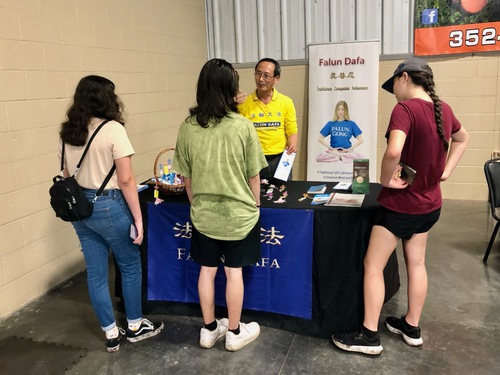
343 106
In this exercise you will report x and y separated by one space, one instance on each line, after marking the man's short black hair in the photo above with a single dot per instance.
277 67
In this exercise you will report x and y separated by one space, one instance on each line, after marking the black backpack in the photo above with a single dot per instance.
66 195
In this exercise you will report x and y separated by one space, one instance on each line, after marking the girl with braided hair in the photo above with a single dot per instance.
419 134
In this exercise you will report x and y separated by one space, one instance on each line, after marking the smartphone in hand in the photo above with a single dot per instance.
407 173
133 232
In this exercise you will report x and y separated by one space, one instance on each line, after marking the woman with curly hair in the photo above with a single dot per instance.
114 211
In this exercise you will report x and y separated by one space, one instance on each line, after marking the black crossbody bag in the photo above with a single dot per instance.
67 197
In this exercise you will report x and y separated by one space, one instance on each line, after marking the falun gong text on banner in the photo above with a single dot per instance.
343 95
456 26
280 282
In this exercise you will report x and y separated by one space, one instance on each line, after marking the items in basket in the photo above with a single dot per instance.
168 176
165 178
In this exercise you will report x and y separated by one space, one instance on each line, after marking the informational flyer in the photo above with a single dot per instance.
285 166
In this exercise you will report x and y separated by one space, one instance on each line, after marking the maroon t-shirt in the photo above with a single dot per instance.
423 151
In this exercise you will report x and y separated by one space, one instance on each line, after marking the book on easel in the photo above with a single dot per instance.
360 176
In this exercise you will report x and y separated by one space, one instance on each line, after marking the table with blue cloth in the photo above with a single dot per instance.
339 243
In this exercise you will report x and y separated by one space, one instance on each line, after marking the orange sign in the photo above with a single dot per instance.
471 38
456 26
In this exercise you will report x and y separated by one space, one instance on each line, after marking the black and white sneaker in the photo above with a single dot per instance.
411 335
146 330
357 342
113 343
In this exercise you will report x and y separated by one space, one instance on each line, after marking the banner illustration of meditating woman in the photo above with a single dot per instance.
343 109
342 131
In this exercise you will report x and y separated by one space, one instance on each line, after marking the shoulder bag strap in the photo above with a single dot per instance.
106 180
88 145
62 159
110 174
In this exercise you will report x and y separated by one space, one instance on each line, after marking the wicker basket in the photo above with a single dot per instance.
162 186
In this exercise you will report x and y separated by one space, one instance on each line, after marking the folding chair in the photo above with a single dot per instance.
492 172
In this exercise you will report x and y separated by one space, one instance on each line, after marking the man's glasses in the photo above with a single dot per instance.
265 76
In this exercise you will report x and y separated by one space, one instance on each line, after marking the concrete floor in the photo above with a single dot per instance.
460 324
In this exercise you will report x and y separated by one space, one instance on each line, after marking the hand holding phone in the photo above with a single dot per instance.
133 232
407 173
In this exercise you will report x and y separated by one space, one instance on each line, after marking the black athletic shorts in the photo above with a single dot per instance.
210 252
404 226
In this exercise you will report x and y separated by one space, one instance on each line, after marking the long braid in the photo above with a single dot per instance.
427 83
438 114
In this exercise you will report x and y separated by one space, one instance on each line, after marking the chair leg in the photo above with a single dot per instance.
492 239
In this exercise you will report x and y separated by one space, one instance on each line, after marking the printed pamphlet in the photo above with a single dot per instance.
318 189
343 185
321 198
284 166
346 200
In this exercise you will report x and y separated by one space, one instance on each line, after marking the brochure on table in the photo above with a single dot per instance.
321 198
317 189
343 185
346 200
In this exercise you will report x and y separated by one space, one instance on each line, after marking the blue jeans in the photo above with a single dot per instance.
108 228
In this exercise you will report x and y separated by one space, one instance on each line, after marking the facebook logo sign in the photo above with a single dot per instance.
429 16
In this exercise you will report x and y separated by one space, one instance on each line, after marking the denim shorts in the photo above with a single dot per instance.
211 252
404 226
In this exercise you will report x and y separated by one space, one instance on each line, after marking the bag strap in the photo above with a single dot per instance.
106 180
88 145
84 151
110 174
62 159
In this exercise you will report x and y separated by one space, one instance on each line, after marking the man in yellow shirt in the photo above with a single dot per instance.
273 115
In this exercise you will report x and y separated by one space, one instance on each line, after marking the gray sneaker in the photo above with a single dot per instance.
208 338
248 333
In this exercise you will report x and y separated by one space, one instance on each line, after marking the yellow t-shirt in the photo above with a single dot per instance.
274 122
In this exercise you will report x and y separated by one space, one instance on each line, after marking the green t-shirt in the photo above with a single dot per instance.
220 159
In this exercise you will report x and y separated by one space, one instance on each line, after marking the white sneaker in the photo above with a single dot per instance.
248 333
208 338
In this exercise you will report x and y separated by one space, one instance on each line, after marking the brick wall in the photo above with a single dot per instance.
152 50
